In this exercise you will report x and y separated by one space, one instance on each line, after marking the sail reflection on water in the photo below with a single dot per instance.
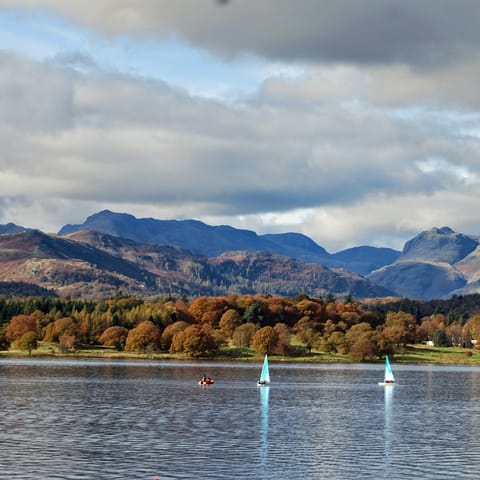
388 398
264 395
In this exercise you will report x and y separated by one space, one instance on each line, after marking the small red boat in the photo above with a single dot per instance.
207 381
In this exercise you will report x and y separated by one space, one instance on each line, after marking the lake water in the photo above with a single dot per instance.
129 420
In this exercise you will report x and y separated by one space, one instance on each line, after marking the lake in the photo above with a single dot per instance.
136 420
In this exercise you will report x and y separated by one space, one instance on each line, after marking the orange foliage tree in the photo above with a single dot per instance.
63 326
264 340
144 338
114 337
194 341
19 325
230 320
243 335
169 333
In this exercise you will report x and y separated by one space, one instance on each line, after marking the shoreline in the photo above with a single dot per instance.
412 355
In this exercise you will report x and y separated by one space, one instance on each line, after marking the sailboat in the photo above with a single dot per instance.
265 375
388 378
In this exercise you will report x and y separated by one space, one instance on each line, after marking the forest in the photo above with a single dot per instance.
238 325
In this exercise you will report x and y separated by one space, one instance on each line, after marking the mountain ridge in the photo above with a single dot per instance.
91 264
212 241
436 263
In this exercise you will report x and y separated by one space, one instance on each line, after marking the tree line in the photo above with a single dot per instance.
204 326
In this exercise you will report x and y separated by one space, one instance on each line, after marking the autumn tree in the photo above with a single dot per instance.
282 346
229 321
19 325
264 340
208 309
306 332
114 337
27 342
354 333
311 309
170 331
333 343
67 343
63 326
472 329
400 328
455 335
194 341
428 326
243 335
364 346
4 343
144 338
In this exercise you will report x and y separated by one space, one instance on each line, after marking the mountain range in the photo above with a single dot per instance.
112 253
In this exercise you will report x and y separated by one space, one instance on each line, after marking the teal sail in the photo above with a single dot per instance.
265 375
388 376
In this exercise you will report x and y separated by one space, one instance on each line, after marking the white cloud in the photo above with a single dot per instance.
347 146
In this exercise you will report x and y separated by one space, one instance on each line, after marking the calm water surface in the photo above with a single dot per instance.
91 419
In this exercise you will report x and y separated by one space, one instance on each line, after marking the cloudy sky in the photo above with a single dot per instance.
354 122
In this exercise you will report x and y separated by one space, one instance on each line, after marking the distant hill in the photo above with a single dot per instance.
10 228
90 264
437 263
213 241
438 245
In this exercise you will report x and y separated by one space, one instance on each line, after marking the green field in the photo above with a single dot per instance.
413 354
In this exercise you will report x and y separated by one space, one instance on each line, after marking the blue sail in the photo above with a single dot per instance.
265 375
388 377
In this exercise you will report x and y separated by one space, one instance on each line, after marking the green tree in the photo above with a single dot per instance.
440 338
254 314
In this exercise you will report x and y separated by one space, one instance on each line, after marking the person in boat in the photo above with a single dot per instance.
204 378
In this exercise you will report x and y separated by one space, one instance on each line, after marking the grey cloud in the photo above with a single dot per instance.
118 137
429 32
111 140
33 97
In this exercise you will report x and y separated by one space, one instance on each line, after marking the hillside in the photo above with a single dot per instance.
93 265
112 252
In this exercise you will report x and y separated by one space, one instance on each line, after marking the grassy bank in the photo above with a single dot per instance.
413 354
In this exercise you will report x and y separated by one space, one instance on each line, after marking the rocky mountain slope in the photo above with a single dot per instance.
90 264
437 263
147 256
213 241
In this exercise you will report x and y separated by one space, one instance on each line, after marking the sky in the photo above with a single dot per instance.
355 122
